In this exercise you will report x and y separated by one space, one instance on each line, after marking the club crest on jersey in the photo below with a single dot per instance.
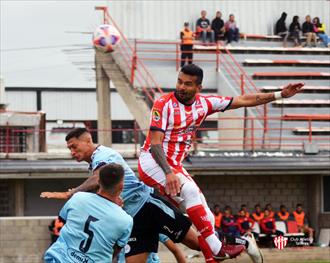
156 115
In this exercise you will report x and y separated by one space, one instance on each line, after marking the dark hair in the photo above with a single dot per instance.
318 23
299 205
193 70
216 206
282 206
243 205
295 19
257 205
110 175
75 133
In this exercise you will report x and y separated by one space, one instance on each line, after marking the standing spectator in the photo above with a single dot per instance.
55 228
308 31
295 31
218 26
270 210
229 225
268 227
281 30
319 28
244 208
245 223
203 27
217 217
232 31
283 214
302 222
257 215
187 37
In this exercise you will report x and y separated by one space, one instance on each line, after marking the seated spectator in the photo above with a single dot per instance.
232 31
308 31
55 228
228 223
244 208
283 214
203 27
270 210
218 26
319 28
245 223
187 37
268 227
217 216
281 30
302 222
257 215
295 31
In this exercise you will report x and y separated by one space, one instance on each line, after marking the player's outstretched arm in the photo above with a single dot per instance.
176 251
251 100
88 185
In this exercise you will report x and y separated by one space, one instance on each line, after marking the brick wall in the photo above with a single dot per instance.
23 239
235 190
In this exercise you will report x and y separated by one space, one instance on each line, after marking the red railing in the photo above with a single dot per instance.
225 138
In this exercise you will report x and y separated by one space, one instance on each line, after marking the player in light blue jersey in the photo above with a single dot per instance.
96 227
151 213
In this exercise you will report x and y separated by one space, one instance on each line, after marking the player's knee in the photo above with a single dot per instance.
190 194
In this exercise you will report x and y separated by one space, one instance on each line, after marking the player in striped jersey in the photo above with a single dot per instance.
175 117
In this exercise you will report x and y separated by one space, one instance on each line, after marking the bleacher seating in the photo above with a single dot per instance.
291 75
305 89
301 103
314 130
278 62
306 117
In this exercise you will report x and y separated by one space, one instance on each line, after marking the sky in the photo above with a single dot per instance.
37 39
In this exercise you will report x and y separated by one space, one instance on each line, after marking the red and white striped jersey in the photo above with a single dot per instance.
180 122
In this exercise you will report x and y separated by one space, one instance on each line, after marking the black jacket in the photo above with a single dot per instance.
280 24
217 24
307 27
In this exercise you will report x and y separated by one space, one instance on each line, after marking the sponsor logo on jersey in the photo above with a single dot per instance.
156 115
78 257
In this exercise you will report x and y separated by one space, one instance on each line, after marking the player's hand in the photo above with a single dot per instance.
172 184
291 89
56 195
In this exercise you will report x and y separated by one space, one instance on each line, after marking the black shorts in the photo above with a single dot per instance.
156 216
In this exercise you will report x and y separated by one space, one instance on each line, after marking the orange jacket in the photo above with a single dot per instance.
257 217
300 218
283 217
217 218
187 37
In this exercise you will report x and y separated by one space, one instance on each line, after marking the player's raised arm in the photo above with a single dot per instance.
90 184
251 100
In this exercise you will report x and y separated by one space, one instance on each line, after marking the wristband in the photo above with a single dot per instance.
278 95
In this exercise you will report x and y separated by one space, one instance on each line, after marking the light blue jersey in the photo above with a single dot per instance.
135 193
94 225
153 257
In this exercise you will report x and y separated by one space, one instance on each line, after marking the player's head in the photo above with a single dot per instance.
79 142
111 179
243 207
282 208
269 207
216 209
257 208
299 208
266 213
189 83
241 213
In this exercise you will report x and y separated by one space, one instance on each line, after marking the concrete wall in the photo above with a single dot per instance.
23 239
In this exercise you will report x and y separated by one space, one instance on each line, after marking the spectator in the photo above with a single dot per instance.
245 223
319 28
302 222
283 214
295 31
244 208
281 30
268 227
55 228
218 26
308 31
257 215
187 37
217 216
232 31
270 210
203 27
229 224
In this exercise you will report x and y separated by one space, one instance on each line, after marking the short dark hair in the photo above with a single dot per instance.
257 205
75 133
110 175
243 205
299 205
216 206
282 206
193 70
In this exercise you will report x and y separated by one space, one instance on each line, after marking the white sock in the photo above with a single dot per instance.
214 243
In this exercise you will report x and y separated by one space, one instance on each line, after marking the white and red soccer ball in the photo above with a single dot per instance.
106 38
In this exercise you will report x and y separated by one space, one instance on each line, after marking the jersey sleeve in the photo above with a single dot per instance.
122 241
159 116
218 103
163 238
66 208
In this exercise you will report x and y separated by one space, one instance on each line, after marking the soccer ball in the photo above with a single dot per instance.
106 38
